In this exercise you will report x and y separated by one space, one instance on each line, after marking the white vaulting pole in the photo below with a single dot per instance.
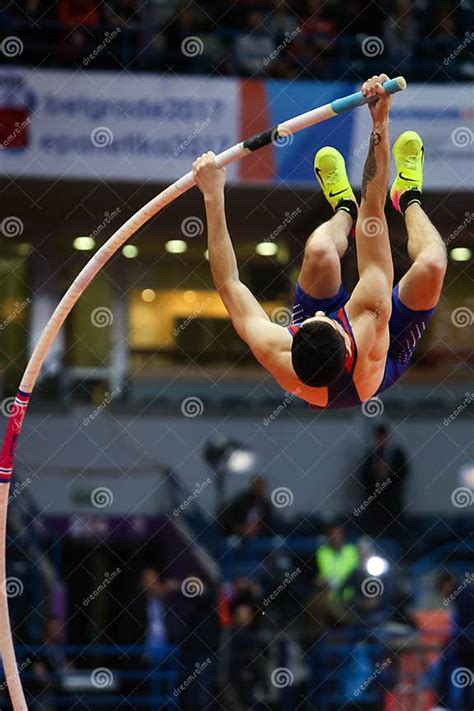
77 288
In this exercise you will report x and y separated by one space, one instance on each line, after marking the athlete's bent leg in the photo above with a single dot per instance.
421 286
320 275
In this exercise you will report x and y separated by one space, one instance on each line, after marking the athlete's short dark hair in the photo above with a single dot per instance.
318 353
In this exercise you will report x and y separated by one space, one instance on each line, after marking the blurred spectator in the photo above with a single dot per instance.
181 26
250 513
458 653
73 13
199 647
383 473
47 666
401 33
246 593
336 561
247 672
79 18
148 618
254 46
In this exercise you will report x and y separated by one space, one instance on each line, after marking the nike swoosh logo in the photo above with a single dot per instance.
319 175
400 175
331 194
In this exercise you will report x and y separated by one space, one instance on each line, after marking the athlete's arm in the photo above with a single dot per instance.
374 256
248 317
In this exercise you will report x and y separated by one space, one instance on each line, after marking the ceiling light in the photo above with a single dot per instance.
176 246
460 254
148 295
130 251
84 244
266 249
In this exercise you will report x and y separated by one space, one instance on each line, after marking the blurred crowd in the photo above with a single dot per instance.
331 612
279 38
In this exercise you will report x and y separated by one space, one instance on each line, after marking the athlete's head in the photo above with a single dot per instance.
319 350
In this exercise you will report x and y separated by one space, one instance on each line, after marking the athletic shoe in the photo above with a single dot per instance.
330 171
408 153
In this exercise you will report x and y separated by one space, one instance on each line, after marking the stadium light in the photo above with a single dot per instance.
376 566
266 249
84 244
460 254
148 295
176 246
130 251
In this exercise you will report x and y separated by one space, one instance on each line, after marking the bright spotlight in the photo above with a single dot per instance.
176 246
130 251
460 254
376 565
84 244
266 249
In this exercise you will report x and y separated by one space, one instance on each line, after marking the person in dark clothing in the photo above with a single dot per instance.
249 514
454 688
197 650
383 473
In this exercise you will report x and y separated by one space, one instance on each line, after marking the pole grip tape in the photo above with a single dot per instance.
17 411
261 139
